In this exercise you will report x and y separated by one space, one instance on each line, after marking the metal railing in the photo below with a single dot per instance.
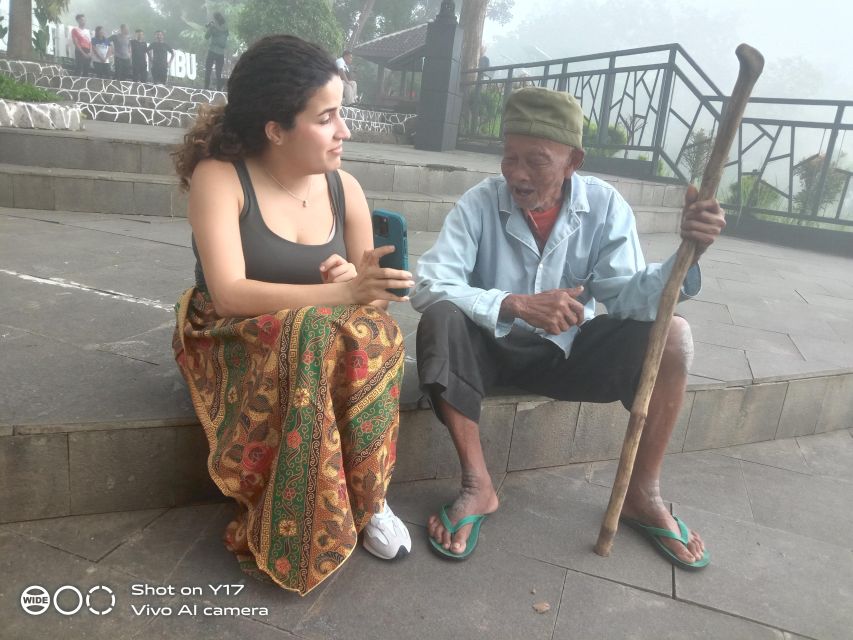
653 112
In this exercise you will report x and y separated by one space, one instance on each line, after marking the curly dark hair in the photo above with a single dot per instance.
272 81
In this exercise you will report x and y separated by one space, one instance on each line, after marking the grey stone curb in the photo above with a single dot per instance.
57 470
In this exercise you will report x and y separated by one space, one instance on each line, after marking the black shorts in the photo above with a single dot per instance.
462 363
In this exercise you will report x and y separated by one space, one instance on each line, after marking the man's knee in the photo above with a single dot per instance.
441 317
678 352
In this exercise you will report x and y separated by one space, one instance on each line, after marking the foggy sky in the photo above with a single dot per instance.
818 32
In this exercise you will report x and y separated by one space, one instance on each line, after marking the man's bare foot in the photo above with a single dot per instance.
477 496
647 508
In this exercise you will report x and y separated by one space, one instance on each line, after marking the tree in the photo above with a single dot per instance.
308 19
472 19
808 171
46 11
20 29
754 193
696 154
363 15
21 37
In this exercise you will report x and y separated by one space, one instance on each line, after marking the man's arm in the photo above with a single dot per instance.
445 271
621 279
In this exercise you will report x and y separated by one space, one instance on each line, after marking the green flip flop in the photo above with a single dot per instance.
654 535
475 520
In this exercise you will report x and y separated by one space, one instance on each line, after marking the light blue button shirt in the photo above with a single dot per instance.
486 251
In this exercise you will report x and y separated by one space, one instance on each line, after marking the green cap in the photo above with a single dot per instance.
543 113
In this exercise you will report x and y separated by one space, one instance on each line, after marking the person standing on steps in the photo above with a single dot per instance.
160 56
139 57
217 33
102 52
120 42
82 40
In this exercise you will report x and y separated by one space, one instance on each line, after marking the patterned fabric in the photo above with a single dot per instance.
301 411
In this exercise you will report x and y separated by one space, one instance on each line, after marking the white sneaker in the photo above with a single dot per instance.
386 537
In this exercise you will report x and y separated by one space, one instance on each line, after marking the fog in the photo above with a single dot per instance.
807 46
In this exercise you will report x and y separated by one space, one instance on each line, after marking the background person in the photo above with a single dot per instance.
102 52
82 40
120 42
139 57
160 55
350 85
217 33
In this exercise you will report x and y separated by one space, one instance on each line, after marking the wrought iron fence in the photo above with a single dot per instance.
653 112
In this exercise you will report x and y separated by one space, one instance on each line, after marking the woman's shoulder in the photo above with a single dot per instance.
211 169
347 179
219 176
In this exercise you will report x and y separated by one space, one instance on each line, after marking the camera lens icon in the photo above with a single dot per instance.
35 600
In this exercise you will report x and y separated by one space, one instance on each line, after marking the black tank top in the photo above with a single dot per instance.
271 258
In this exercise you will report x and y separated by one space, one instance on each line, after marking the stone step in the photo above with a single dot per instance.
60 189
410 171
73 469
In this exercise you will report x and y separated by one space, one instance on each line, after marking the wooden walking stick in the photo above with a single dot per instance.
751 65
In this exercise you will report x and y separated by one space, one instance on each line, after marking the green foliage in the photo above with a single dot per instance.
484 112
808 171
3 30
45 12
13 90
41 38
696 153
615 135
312 20
660 170
754 193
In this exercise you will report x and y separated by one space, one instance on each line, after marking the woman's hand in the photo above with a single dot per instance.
372 281
337 269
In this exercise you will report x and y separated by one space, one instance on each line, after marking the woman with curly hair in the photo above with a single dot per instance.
292 362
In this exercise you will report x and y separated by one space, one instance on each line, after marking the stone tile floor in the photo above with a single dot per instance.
776 517
765 313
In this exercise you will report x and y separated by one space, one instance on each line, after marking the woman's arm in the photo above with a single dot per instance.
214 211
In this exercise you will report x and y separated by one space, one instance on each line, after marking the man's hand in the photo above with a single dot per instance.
337 269
553 311
701 221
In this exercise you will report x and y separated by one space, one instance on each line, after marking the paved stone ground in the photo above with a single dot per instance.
776 517
93 293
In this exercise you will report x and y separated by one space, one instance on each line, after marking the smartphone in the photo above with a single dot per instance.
390 228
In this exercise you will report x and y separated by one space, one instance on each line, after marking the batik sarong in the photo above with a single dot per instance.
301 412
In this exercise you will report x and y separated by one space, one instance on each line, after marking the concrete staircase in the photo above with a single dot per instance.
116 175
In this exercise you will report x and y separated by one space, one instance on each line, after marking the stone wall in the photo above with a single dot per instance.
171 106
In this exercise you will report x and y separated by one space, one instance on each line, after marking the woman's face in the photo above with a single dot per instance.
316 140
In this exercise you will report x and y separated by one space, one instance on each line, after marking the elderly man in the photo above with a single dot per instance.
508 296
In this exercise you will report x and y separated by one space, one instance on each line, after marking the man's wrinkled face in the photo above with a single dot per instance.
535 169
